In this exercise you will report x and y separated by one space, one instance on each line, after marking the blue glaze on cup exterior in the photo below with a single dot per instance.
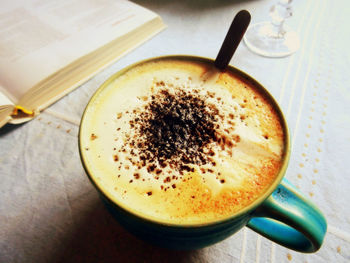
281 214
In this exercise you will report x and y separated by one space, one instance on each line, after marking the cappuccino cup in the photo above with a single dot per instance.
185 155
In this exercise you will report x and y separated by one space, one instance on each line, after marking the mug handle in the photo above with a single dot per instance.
289 219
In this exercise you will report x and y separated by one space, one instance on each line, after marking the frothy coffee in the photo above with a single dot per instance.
178 141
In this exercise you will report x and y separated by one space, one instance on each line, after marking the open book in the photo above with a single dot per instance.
48 47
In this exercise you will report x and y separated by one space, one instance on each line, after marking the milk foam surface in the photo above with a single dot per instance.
239 165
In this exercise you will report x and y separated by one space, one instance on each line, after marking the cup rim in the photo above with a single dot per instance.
252 206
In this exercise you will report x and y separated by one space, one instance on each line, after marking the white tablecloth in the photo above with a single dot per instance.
50 212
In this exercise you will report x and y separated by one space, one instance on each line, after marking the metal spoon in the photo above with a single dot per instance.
233 38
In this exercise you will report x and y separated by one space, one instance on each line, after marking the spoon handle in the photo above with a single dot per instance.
233 38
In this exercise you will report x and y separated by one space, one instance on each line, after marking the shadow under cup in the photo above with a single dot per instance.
281 214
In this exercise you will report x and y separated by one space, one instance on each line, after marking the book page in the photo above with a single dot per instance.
40 37
4 100
5 114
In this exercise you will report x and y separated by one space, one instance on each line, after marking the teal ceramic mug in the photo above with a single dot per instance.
281 213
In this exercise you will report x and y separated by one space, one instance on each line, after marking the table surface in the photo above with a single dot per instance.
50 212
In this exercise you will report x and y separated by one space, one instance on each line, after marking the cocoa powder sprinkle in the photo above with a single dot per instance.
93 136
175 130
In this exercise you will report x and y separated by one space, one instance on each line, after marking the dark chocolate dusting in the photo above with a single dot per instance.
176 129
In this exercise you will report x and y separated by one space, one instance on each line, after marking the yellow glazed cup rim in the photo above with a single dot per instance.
245 210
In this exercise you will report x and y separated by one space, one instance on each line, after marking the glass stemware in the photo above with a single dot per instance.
273 38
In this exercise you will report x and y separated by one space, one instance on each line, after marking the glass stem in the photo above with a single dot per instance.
279 13
278 29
